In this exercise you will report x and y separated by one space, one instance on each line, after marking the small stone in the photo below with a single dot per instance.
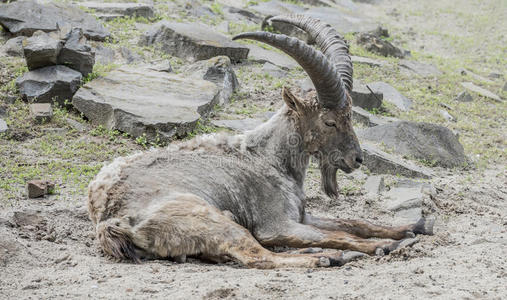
76 53
41 50
483 92
446 115
273 70
374 43
41 112
39 188
3 126
464 97
374 185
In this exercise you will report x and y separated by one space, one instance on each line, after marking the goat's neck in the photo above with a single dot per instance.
279 142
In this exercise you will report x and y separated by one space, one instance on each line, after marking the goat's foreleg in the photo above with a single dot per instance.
298 235
366 229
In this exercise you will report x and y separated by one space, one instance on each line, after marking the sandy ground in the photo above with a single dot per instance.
48 250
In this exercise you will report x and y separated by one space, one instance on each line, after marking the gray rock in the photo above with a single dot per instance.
379 162
419 68
104 55
238 125
26 17
483 92
306 85
406 199
495 75
446 115
364 98
161 66
374 43
41 112
76 53
3 126
505 87
367 61
41 50
261 55
14 46
464 97
238 14
76 125
476 76
104 10
425 141
219 71
374 185
39 188
273 70
391 95
48 84
192 41
129 56
361 116
141 102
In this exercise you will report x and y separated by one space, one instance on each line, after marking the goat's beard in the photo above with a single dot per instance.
328 179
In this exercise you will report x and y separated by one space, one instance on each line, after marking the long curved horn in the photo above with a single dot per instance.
329 86
328 40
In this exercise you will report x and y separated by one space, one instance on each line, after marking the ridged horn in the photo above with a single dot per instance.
329 87
328 40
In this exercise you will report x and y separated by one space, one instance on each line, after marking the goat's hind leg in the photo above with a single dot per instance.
366 229
187 225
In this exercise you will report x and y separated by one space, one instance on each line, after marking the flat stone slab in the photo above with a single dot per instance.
48 84
238 125
374 185
481 91
119 9
261 55
432 143
141 102
26 17
391 95
380 162
273 70
41 111
41 50
14 47
192 41
364 98
369 120
419 68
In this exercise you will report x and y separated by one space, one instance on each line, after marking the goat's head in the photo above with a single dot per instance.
324 121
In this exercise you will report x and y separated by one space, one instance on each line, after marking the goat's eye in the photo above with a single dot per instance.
330 123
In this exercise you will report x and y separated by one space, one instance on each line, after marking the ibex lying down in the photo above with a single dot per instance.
225 197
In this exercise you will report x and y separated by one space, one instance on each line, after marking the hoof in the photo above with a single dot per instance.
424 226
346 257
400 244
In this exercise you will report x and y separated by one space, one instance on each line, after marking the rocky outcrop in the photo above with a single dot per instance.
143 102
429 142
364 98
14 46
27 17
481 91
192 41
48 84
372 42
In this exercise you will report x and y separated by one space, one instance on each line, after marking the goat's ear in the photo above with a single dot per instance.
292 101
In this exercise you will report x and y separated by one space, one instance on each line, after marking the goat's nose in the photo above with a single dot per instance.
359 159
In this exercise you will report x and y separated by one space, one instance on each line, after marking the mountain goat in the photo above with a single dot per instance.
223 197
